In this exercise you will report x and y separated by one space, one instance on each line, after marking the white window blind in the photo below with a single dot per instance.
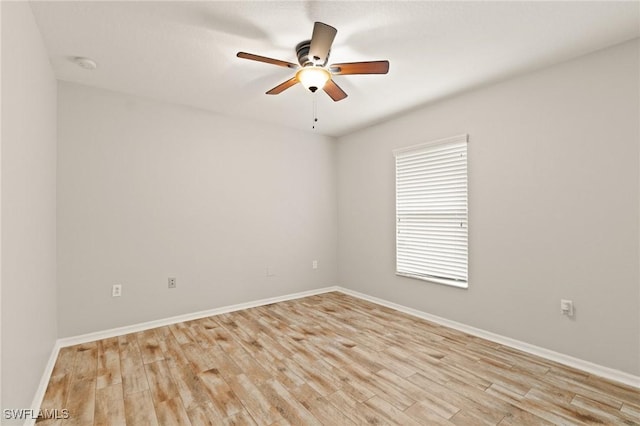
431 211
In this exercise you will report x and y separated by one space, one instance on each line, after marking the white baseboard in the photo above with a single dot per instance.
119 331
580 364
589 367
44 381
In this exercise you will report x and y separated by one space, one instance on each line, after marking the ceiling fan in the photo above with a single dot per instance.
313 71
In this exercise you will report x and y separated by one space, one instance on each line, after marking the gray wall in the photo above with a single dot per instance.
553 208
28 206
148 191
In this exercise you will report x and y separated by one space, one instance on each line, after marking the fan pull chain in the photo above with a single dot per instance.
315 112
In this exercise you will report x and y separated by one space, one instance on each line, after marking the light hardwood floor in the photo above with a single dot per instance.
329 359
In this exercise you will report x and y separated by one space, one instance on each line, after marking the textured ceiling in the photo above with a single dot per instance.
184 52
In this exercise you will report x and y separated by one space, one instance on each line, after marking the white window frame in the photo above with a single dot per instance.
431 200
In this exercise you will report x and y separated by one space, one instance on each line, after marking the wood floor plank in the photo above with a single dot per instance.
572 413
435 370
315 375
617 391
304 393
466 417
41 421
172 350
388 411
64 362
220 360
411 390
139 409
603 411
463 402
497 391
252 367
163 332
327 359
182 333
86 361
522 361
81 402
222 398
424 412
188 384
327 413
243 418
286 404
134 379
279 371
391 392
114 391
201 330
567 384
109 408
226 339
543 411
400 367
632 410
521 417
357 411
57 392
108 372
492 374
204 415
160 381
149 344
253 400
197 357
172 412
550 394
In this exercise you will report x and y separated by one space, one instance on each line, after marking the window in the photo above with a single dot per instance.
431 211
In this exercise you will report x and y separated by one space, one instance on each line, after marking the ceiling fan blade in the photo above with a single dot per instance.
264 59
371 67
283 86
321 41
334 91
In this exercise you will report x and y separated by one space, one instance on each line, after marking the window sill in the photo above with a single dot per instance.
442 281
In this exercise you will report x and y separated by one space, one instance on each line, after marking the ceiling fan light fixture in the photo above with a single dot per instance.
313 78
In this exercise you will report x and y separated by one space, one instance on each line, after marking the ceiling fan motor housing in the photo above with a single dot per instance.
302 50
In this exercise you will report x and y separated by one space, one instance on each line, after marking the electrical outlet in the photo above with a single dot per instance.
172 283
116 290
314 264
566 307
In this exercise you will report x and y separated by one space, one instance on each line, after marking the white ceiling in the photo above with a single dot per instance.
184 52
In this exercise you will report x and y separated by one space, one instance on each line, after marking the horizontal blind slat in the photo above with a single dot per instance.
434 267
